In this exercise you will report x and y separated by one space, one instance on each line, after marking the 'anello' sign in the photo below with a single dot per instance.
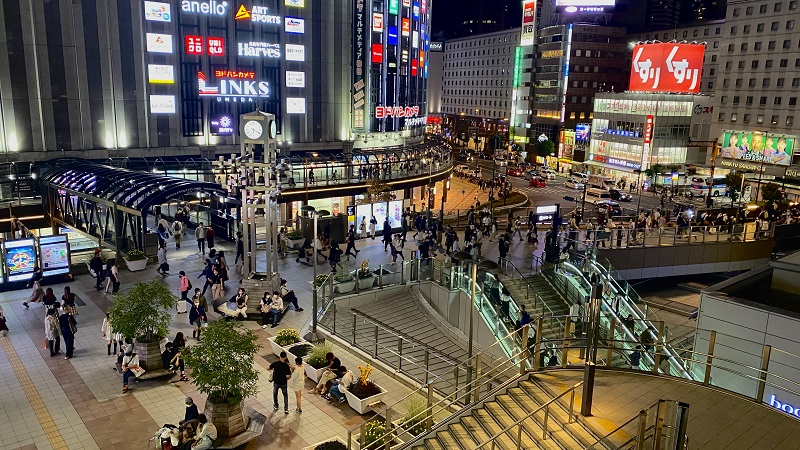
382 112
667 68
211 7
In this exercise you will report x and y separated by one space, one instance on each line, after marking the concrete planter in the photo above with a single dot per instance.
361 406
295 243
229 419
312 373
335 439
136 265
366 283
355 445
149 355
277 349
344 287
404 435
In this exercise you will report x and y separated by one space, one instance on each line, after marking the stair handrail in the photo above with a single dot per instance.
642 429
546 407
508 262
471 392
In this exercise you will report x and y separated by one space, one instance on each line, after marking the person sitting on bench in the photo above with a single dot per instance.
236 307
288 296
276 308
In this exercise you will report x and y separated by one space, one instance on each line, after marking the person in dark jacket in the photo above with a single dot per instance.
68 327
334 256
503 244
197 315
96 264
191 412
387 235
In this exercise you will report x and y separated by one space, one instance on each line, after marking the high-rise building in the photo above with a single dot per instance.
702 10
662 13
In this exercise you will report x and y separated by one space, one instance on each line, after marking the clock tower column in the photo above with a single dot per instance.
260 181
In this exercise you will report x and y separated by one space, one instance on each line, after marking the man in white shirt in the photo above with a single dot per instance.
206 435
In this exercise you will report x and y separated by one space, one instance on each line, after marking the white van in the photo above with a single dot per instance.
596 195
582 177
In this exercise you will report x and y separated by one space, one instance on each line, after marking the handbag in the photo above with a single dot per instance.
271 376
217 292
138 371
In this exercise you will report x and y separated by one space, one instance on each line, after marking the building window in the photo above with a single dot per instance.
763 101
765 82
751 83
723 100
716 45
768 64
771 45
777 7
734 116
762 9
746 29
760 28
730 48
736 12
753 64
728 64
790 24
781 82
717 31
746 118
705 32
743 47
792 101
721 117
748 11
749 100
776 101
726 82
712 72
757 46
795 82
774 120
711 85
735 99
789 120
787 44
784 63
686 34
760 119
793 5
694 34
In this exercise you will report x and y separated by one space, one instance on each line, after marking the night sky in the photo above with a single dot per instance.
448 13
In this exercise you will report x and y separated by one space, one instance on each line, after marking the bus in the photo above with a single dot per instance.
699 187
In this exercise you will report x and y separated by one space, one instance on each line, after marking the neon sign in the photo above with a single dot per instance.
212 7
785 407
234 86
259 49
257 14
382 112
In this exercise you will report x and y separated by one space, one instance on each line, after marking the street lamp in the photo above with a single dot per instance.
741 194
313 212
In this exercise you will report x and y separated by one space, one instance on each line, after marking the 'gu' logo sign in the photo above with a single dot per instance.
667 68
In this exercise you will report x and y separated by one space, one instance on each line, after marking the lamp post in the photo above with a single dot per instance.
428 186
741 194
313 212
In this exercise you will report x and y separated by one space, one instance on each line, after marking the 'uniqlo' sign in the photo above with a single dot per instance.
194 45
216 46
667 68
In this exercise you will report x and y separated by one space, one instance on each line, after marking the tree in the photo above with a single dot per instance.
144 313
734 182
544 148
654 170
377 192
222 362
771 193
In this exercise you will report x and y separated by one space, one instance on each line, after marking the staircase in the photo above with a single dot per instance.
487 420
522 295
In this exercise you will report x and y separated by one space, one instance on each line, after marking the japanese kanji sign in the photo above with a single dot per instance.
667 68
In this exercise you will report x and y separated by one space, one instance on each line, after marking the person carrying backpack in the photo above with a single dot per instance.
177 233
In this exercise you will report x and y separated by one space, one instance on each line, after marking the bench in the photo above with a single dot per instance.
255 426
148 375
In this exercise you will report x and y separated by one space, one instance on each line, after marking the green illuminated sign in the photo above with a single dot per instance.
394 6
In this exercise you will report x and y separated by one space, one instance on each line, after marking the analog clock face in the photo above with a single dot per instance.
273 129
253 129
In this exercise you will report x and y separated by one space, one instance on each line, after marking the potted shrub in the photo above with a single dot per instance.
364 276
135 260
376 435
344 283
315 362
283 340
363 392
223 368
144 314
320 279
295 238
331 444
412 423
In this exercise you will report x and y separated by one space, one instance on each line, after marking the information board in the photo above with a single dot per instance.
20 259
54 251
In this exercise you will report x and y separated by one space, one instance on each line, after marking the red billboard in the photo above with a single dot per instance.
667 68
377 53
648 130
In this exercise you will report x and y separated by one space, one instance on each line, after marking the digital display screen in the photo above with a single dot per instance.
20 259
55 255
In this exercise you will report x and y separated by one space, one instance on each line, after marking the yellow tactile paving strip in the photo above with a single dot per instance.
37 404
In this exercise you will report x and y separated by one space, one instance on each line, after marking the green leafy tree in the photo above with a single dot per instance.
377 192
544 148
734 182
654 170
144 312
771 193
222 362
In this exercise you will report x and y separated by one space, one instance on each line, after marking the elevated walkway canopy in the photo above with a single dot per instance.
108 203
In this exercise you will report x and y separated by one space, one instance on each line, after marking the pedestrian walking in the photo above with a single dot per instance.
112 277
372 224
185 286
362 228
351 243
3 325
177 233
38 293
108 334
52 332
200 236
281 374
503 247
297 382
68 326
96 266
163 266
387 234
635 357
197 317
210 235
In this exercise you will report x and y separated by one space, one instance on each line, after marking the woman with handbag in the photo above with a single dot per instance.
197 316
218 290
130 368
112 280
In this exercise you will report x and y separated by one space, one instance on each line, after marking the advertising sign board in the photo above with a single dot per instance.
662 67
54 251
20 259
757 147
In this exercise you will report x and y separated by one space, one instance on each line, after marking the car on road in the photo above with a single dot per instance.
620 196
516 171
573 184
547 173
537 182
530 174
580 176
463 168
609 207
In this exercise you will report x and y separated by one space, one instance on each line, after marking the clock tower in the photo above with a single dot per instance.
260 175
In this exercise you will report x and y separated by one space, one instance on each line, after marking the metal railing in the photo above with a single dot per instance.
660 426
519 423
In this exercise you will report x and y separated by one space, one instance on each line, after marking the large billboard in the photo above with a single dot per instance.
20 259
528 23
757 147
584 6
672 68
54 251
